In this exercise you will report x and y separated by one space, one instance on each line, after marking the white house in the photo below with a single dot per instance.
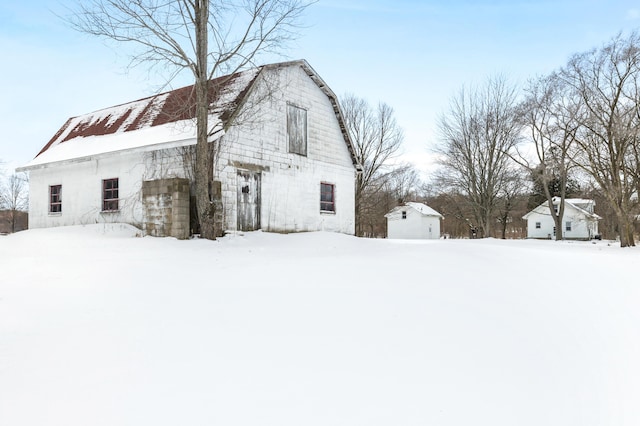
285 161
413 221
579 221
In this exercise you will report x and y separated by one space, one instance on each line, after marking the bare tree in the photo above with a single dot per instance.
549 113
477 137
209 38
404 183
13 198
377 139
606 82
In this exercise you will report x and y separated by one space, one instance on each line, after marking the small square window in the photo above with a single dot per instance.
327 197
404 214
568 226
110 195
537 225
55 199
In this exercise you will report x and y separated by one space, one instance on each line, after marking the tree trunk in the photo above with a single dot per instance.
503 230
557 217
486 227
204 154
359 228
557 220
625 226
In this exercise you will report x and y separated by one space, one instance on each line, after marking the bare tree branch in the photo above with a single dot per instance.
14 198
377 140
549 113
477 136
605 84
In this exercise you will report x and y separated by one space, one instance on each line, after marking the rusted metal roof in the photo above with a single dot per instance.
156 110
112 129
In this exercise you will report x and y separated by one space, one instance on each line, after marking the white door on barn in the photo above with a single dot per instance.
248 200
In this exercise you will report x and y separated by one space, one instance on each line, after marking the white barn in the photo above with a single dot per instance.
413 221
579 221
285 161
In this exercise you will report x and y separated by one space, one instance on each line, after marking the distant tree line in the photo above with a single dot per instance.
14 202
581 123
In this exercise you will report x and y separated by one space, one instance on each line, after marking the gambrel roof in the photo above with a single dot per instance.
165 120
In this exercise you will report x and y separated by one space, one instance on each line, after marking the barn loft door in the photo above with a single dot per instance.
248 200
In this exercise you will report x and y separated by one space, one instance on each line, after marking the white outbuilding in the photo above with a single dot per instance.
413 221
578 223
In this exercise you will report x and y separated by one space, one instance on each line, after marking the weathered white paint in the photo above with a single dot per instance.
82 191
413 221
290 183
579 213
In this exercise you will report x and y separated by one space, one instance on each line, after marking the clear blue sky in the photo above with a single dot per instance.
412 54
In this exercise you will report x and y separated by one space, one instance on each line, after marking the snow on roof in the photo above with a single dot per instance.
164 119
575 201
424 209
582 206
579 204
420 207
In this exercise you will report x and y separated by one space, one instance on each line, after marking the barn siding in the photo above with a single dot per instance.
290 182
82 192
290 197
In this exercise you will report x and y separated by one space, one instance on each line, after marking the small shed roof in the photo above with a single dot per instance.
420 207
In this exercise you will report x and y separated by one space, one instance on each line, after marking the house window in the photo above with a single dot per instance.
537 225
55 199
297 129
555 208
568 226
327 197
404 214
110 195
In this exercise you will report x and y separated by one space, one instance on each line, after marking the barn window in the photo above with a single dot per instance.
537 225
568 226
297 129
110 195
404 214
55 199
327 197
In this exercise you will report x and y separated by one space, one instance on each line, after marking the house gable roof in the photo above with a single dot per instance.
164 120
579 205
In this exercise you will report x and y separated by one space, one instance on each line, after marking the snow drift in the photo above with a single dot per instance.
100 327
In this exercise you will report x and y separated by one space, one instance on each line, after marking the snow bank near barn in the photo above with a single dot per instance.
98 327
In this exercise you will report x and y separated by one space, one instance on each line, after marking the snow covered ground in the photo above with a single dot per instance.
98 327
